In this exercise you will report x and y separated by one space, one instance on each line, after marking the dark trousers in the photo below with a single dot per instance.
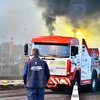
35 94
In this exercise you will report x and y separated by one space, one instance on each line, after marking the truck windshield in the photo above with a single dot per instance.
54 50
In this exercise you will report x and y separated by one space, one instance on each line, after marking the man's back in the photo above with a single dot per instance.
37 73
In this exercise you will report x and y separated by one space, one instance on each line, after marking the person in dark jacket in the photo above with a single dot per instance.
36 75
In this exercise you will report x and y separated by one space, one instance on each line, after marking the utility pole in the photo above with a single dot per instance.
10 53
2 53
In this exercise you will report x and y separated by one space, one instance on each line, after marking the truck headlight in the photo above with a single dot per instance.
62 80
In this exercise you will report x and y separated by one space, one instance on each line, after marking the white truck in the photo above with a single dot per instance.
67 62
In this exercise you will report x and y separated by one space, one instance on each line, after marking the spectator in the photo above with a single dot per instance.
36 75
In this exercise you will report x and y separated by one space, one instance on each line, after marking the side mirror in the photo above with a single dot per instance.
26 49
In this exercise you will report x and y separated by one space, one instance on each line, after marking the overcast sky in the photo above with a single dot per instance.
20 19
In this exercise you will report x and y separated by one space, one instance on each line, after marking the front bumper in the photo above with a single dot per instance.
55 80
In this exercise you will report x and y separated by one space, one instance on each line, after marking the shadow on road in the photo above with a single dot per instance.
56 92
86 89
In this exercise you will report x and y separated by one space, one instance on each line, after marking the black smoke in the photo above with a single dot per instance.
78 11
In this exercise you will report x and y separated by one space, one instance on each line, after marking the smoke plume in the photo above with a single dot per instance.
80 12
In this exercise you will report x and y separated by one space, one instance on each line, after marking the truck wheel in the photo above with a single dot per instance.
78 84
94 82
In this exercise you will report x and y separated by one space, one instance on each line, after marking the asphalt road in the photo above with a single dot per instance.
20 94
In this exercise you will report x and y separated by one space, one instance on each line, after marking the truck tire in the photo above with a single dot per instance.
78 83
76 80
93 85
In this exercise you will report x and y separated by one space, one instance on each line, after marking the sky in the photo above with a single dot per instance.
26 19
20 19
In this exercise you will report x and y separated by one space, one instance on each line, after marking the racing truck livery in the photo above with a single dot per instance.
67 62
